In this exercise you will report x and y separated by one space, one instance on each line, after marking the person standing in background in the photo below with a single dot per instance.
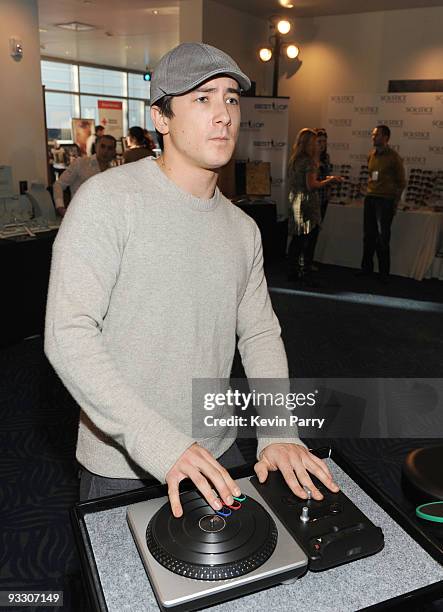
138 146
90 143
149 140
386 183
304 199
324 170
82 169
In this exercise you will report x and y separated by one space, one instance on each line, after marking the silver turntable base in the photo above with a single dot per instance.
286 563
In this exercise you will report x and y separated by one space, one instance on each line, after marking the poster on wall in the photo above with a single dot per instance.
110 114
264 137
82 129
415 121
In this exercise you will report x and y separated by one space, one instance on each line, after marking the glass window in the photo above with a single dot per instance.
60 109
136 113
84 80
148 121
137 87
100 80
56 75
89 110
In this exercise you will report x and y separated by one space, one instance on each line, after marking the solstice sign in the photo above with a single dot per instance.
415 120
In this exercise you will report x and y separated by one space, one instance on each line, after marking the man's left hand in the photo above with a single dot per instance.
294 461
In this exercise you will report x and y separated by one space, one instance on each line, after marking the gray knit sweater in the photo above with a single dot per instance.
149 287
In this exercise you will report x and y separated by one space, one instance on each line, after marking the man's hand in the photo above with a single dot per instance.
61 210
206 473
293 461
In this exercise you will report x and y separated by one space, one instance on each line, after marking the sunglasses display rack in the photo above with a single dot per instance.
353 187
424 189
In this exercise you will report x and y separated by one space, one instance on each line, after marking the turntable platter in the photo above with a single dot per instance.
205 546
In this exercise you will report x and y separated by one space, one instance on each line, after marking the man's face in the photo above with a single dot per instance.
205 126
378 138
105 150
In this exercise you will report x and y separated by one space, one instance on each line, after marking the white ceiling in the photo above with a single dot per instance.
317 8
129 34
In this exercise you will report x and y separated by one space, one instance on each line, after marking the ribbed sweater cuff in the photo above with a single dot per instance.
264 442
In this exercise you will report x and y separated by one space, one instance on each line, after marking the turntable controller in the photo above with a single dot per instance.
332 531
204 558
267 537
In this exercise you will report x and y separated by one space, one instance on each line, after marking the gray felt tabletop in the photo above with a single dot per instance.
402 566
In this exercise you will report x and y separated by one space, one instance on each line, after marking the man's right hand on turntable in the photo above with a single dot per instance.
206 473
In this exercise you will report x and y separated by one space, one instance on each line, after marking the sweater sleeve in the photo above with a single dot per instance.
86 259
66 179
399 175
260 343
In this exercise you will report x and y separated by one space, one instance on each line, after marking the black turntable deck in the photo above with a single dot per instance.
208 546
205 558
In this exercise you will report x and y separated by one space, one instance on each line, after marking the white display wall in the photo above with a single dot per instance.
264 137
415 120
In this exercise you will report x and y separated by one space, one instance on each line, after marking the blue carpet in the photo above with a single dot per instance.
344 329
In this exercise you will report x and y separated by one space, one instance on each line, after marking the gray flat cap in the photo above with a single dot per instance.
188 65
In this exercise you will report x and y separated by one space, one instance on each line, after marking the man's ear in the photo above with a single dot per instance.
161 123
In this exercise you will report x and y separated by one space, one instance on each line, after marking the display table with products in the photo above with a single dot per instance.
416 236
407 571
264 214
25 263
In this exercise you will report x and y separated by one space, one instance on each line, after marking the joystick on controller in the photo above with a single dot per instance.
304 516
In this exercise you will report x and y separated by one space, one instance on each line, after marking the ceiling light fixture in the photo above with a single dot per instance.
265 54
283 26
76 26
292 51
279 27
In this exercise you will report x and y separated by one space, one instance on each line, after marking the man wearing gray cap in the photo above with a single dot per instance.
154 273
